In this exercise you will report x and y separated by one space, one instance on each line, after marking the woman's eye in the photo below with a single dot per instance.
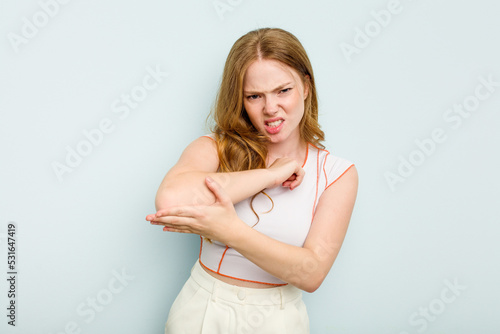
252 97
286 90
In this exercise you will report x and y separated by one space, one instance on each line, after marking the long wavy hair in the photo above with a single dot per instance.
240 146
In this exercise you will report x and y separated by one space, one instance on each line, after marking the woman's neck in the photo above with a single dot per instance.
294 150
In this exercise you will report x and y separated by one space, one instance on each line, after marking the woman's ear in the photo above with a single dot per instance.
306 86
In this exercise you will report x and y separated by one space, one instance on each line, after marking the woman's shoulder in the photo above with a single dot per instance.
327 156
332 166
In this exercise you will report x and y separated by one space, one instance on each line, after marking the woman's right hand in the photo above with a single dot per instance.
286 172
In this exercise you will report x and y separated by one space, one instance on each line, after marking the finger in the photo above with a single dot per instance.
166 212
178 222
298 179
158 223
179 211
290 181
300 173
295 184
217 190
173 229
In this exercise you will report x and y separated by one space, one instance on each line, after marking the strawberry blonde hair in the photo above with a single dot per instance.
240 146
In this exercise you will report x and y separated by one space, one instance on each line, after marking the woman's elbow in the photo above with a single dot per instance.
312 285
165 199
310 281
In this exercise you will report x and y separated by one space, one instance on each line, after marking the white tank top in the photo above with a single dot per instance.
288 221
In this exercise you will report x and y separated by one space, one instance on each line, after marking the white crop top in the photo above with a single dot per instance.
288 221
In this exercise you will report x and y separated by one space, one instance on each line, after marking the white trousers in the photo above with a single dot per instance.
207 305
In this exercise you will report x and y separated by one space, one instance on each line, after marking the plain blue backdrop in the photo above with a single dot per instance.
99 98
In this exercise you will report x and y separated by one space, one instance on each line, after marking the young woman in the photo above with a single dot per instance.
270 204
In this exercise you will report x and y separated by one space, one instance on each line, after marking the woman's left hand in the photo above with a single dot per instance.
218 221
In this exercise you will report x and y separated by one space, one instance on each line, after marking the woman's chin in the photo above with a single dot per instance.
275 139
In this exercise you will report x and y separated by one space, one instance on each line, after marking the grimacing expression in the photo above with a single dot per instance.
273 97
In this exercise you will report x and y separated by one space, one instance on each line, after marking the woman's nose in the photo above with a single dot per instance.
271 106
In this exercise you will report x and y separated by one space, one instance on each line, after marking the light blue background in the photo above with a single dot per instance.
403 243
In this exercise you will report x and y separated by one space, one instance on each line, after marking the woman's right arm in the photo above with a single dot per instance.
184 184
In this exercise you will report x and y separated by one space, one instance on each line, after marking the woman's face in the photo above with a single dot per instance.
273 96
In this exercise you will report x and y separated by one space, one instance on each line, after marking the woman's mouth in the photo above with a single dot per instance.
275 123
275 126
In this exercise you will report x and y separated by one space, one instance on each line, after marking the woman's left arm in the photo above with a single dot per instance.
304 267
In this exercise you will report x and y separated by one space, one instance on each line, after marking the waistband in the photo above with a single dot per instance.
242 295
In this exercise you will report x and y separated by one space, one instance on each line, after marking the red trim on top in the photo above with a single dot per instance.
208 137
324 170
222 258
307 154
241 279
317 183
339 176
218 270
321 149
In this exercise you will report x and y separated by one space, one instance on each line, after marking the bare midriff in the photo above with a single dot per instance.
237 282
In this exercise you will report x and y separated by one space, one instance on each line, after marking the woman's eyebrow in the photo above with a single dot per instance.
280 87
